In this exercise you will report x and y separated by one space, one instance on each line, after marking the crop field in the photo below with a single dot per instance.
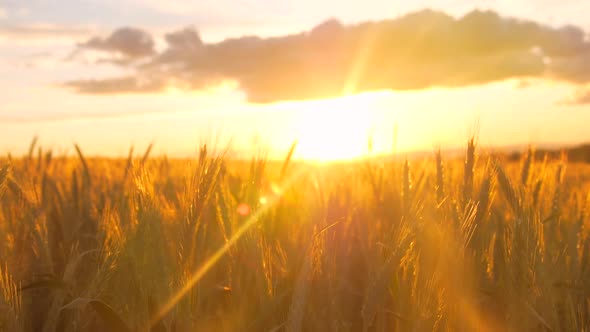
474 242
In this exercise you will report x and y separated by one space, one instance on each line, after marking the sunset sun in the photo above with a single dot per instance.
334 129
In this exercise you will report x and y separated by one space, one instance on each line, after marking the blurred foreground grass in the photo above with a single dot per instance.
469 244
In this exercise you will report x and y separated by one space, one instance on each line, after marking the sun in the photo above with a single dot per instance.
334 129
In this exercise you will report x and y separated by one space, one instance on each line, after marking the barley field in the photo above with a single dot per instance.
440 243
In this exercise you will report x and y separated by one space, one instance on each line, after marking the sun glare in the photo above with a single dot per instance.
334 129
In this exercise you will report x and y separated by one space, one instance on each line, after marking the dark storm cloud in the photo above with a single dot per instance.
415 51
131 43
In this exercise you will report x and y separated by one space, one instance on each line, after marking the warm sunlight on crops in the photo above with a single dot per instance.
475 242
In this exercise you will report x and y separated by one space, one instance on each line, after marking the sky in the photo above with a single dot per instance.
259 74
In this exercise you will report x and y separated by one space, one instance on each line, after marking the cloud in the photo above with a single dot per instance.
416 51
574 68
39 60
42 33
118 85
580 97
131 43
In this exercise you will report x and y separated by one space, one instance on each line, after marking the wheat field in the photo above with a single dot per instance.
440 243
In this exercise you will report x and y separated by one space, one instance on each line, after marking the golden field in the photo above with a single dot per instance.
476 243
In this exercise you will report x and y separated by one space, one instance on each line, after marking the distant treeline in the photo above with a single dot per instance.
579 153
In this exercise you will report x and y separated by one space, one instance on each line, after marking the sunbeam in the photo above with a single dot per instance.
210 262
